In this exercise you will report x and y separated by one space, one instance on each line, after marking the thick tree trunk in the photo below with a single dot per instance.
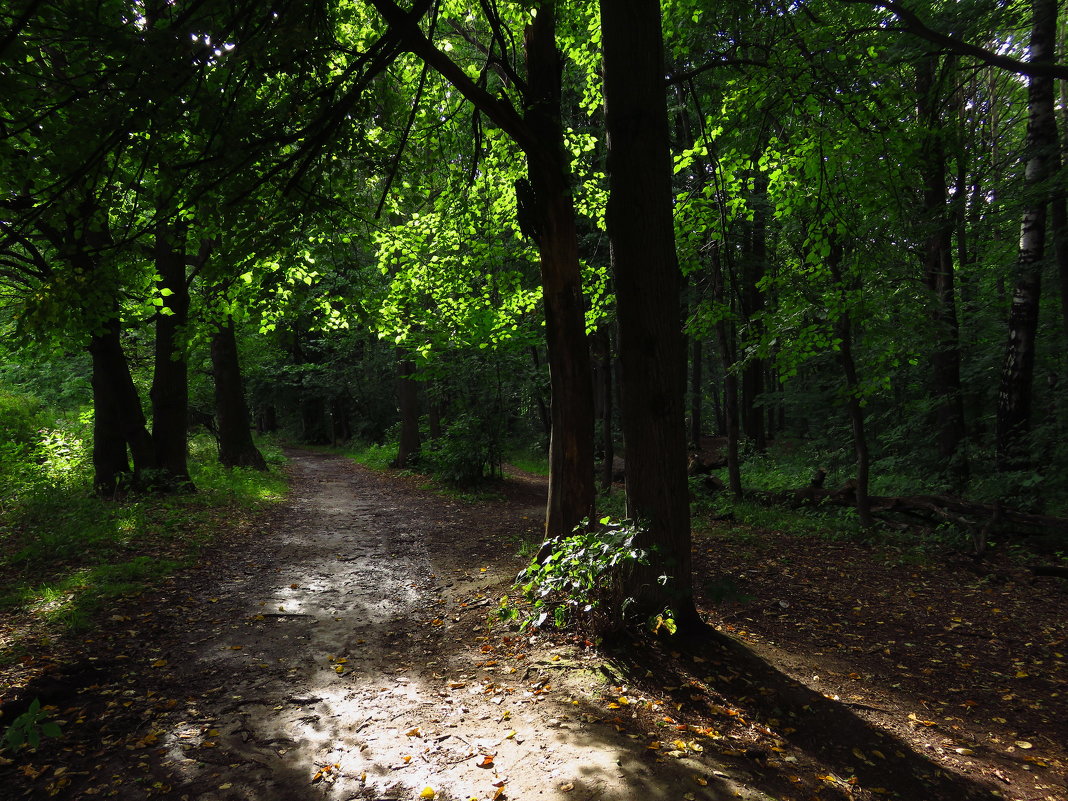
1014 399
408 403
115 394
648 283
236 448
170 379
571 474
111 466
938 275
608 446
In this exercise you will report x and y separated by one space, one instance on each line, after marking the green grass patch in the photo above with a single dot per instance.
65 554
528 460
376 457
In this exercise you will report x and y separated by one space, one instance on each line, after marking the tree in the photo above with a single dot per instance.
1042 156
648 285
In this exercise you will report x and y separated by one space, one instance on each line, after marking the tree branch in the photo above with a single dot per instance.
500 111
911 23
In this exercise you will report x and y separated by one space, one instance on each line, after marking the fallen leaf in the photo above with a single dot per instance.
567 788
428 792
487 761
1023 744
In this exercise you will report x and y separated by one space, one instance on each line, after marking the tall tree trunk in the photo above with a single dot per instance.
1014 399
116 396
648 284
408 402
938 274
111 466
697 392
539 133
236 448
571 475
752 304
170 380
844 331
608 444
725 335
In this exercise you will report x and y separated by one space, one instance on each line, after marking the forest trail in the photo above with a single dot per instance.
346 649
343 652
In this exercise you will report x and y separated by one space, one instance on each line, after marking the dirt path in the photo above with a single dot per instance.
343 652
346 650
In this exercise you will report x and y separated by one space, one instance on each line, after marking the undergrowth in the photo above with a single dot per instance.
64 552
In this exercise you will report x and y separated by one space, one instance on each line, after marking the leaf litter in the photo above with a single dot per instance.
383 678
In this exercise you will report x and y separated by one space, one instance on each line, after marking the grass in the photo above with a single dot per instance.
66 554
530 461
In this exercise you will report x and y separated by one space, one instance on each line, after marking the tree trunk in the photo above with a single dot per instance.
571 475
115 394
938 275
844 330
236 448
648 283
1014 399
608 445
752 304
408 402
111 466
725 334
170 379
696 392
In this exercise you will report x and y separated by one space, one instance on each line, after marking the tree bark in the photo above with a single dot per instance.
696 392
938 275
725 335
648 284
1017 376
170 379
236 448
408 402
844 330
115 394
608 445
752 300
571 474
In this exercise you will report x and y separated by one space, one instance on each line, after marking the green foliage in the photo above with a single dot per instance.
373 455
29 727
581 577
65 552
469 449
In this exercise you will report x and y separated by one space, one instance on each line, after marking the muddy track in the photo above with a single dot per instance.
343 651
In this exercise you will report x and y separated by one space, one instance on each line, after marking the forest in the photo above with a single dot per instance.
692 261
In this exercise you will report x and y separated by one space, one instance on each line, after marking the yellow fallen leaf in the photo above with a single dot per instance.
510 734
567 788
414 732
1023 744
428 792
339 669
407 758
159 663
